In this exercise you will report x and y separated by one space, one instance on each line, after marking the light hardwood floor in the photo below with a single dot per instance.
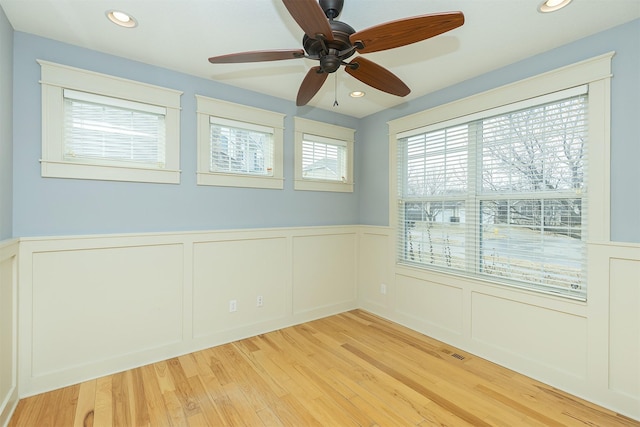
351 369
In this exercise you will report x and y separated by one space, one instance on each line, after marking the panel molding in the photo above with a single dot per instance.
190 279
8 329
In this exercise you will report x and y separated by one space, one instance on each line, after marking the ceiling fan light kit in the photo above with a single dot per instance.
332 42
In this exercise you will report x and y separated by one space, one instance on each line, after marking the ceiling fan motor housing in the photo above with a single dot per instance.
331 53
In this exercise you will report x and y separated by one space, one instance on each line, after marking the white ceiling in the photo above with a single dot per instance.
182 34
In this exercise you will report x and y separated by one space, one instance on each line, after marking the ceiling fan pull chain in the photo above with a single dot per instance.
335 96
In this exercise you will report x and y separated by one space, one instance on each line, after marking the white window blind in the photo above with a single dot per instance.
324 158
111 130
241 148
500 196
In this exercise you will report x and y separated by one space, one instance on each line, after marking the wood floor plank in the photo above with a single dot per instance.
350 369
176 415
103 412
183 390
207 405
121 403
85 407
153 397
28 411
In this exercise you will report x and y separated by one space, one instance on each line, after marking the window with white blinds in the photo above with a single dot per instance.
101 127
500 194
241 148
112 131
324 158
238 145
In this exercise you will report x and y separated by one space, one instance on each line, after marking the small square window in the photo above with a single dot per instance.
324 157
239 146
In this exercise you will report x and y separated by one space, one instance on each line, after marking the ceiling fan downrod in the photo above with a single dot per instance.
331 8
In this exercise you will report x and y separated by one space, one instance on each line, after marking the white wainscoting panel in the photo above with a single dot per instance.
8 329
541 336
374 260
624 324
324 272
436 305
94 305
239 270
100 304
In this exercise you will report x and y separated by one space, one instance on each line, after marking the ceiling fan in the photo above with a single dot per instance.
331 42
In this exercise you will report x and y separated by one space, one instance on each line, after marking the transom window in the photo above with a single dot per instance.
113 131
500 195
96 126
239 146
324 156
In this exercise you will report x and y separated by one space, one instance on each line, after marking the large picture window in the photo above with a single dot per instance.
501 195
507 187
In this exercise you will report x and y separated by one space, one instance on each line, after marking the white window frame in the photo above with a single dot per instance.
55 78
594 72
322 130
207 110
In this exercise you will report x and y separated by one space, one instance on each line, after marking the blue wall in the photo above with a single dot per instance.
6 149
49 206
59 207
372 164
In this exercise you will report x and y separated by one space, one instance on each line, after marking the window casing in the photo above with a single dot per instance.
324 157
101 127
239 146
485 191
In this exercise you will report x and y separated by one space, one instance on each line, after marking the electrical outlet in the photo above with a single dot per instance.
233 306
383 289
259 301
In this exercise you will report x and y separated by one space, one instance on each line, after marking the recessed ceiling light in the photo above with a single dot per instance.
552 5
121 18
356 94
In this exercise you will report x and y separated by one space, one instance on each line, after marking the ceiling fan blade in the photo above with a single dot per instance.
376 76
257 56
310 85
310 17
405 31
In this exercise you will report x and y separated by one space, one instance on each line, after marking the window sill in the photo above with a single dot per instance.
72 170
317 185
247 181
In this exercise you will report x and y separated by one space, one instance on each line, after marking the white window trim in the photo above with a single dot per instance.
306 126
55 78
594 72
209 107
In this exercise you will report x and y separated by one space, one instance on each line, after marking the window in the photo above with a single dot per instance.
101 127
501 194
324 157
239 146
